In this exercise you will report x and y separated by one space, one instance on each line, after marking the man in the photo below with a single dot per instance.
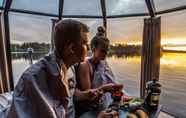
43 90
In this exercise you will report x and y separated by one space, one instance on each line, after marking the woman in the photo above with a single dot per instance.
95 74
96 65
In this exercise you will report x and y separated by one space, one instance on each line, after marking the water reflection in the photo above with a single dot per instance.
174 59
25 56
172 77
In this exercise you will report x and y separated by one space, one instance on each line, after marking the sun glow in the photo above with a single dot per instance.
173 41
175 48
176 59
115 43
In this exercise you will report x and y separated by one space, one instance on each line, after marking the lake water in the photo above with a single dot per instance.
127 71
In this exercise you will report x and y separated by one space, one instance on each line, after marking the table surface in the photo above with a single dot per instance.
122 114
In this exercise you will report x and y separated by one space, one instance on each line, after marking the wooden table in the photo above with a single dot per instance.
152 114
122 114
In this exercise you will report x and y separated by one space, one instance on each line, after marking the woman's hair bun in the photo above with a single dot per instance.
101 30
99 39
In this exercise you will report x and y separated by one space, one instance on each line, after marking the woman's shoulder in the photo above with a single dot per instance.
84 65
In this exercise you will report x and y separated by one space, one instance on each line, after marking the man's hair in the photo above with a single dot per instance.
99 39
67 32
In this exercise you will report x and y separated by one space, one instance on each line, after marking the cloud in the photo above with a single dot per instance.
82 7
168 4
119 7
46 6
31 28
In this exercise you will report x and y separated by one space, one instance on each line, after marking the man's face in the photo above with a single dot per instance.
81 50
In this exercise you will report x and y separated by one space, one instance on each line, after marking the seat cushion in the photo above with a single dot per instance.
5 100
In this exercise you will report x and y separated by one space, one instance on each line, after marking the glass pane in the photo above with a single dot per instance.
1 2
168 4
28 31
82 7
126 39
118 7
44 6
126 67
173 63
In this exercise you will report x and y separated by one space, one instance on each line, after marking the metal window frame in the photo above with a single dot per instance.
151 7
163 12
104 14
61 6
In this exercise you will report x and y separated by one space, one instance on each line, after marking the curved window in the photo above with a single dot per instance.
44 6
82 7
173 63
168 4
120 7
28 31
126 39
1 3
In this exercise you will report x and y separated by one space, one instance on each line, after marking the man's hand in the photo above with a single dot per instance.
111 87
108 114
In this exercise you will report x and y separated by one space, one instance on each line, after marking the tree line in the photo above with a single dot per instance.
37 47
119 49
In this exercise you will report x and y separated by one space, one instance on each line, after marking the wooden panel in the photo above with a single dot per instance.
3 81
150 59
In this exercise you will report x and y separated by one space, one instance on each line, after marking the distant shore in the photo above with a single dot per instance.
174 51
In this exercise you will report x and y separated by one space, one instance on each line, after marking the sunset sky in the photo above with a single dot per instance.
29 28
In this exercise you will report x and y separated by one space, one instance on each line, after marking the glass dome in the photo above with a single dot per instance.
30 21
1 3
93 8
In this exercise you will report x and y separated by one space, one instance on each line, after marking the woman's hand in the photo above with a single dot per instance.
85 95
111 87
126 98
108 114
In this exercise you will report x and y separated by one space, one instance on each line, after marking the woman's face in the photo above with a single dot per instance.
100 53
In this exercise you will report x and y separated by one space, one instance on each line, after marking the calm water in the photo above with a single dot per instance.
127 71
